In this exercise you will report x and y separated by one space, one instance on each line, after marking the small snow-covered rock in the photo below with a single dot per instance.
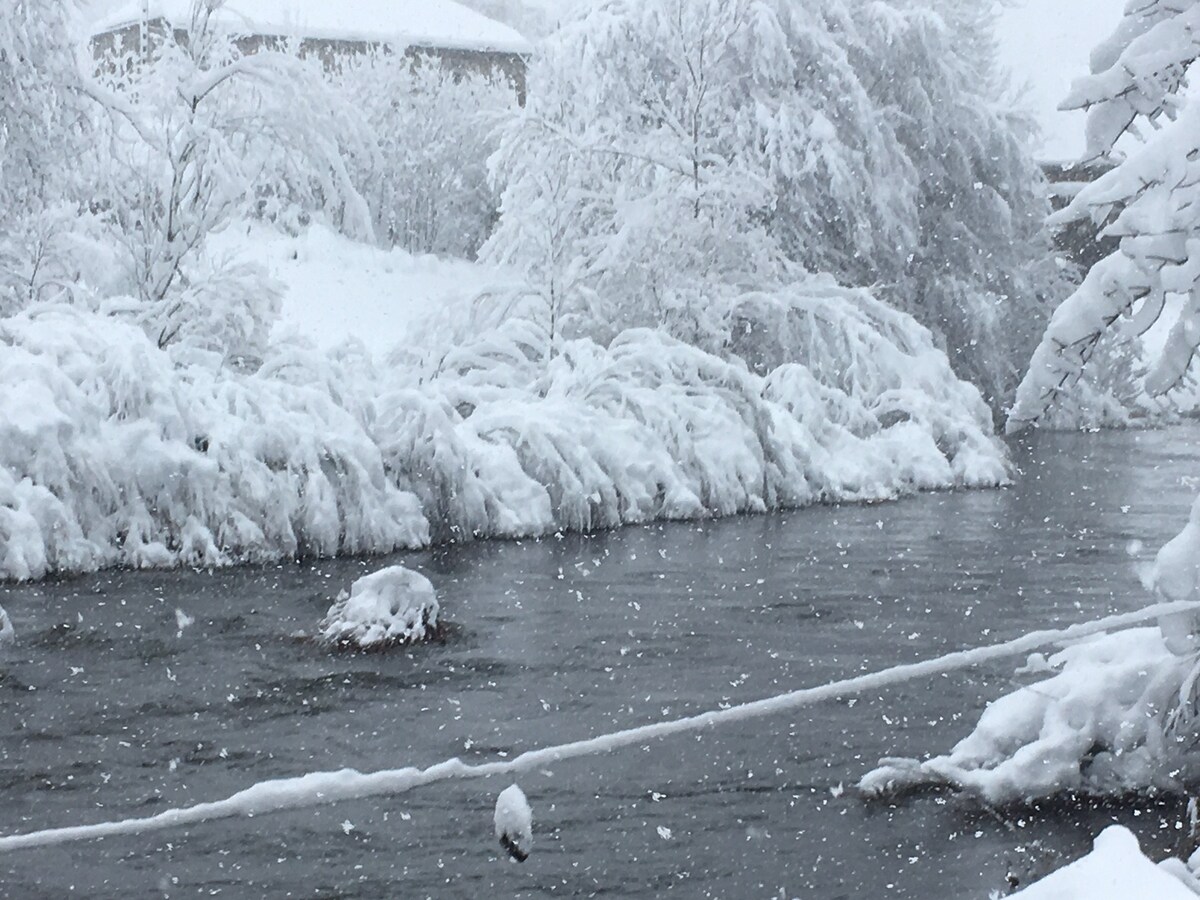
8 636
392 606
514 823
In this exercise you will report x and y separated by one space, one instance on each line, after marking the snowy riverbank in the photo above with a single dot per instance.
115 452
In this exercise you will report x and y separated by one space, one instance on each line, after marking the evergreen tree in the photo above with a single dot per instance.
1139 122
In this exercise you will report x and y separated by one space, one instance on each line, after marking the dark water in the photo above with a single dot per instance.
106 713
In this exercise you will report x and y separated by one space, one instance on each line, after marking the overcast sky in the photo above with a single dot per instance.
1046 44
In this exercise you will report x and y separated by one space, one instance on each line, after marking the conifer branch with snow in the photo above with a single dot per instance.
1139 119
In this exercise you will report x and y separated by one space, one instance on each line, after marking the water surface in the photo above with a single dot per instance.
106 711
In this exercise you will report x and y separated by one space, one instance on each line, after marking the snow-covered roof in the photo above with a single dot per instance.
419 23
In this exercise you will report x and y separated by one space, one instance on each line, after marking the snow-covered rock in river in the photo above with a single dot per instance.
389 607
1111 721
1116 869
514 823
8 636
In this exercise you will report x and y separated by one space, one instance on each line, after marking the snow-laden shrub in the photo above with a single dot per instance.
1122 713
512 432
1118 717
8 635
386 608
113 451
116 451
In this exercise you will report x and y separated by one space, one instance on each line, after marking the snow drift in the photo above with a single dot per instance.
1116 870
115 452
392 606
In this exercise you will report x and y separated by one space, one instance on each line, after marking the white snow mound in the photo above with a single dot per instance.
392 606
1108 723
8 636
1116 869
514 822
1175 576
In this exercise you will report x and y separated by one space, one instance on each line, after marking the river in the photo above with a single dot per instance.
108 711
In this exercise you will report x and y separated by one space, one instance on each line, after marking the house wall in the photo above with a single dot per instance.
108 46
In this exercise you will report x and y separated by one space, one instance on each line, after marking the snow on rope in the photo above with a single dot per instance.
324 788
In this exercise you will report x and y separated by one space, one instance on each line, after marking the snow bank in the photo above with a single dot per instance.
392 606
336 289
1116 869
1114 719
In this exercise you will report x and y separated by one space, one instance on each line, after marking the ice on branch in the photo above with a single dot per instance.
389 607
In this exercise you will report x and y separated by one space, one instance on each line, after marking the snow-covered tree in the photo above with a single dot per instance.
37 71
980 267
673 153
41 129
638 172
433 129
199 134
1140 121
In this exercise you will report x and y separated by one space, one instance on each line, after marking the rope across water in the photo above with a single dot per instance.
322 788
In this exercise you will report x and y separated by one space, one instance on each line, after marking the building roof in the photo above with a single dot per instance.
412 23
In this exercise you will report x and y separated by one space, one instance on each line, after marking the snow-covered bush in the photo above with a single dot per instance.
433 127
113 451
386 608
1140 119
1112 720
8 635
510 432
673 155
